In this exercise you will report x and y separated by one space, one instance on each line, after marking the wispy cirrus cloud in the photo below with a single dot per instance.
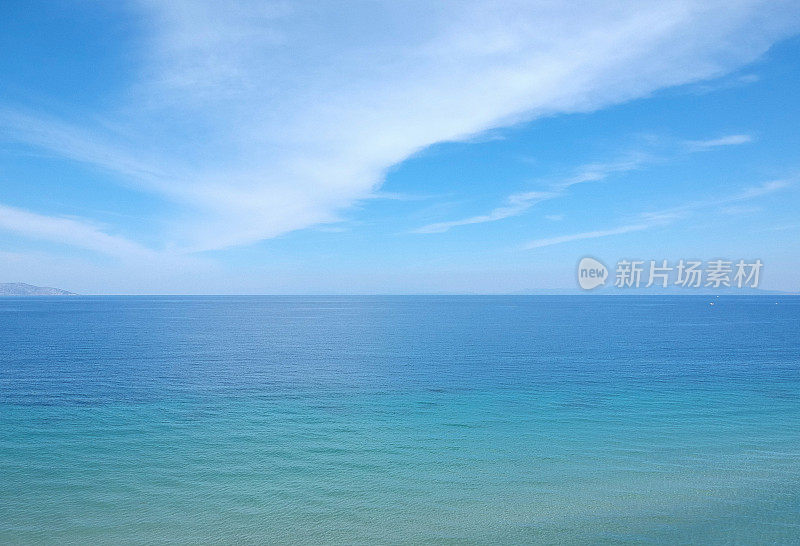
758 191
241 114
595 172
69 231
728 140
592 172
516 205
92 146
649 220
550 241
520 203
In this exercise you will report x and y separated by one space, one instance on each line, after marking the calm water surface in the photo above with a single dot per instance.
400 419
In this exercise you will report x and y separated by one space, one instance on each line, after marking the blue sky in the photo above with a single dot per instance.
370 147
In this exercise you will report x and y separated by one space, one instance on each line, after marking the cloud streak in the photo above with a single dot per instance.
730 140
593 172
517 204
664 217
242 115
69 231
539 243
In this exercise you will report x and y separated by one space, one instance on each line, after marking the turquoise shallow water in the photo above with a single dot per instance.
400 420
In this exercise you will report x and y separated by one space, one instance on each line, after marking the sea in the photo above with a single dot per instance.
400 420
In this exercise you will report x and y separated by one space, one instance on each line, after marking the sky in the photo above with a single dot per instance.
362 147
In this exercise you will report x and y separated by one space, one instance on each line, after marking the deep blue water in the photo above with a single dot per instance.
541 419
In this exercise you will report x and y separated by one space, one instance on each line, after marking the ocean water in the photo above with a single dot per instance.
400 420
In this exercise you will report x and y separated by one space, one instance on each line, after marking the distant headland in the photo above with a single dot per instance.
22 289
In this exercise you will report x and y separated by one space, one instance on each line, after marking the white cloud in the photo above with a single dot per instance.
650 220
729 140
134 268
517 204
539 243
90 146
595 172
592 172
758 191
68 231
267 117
